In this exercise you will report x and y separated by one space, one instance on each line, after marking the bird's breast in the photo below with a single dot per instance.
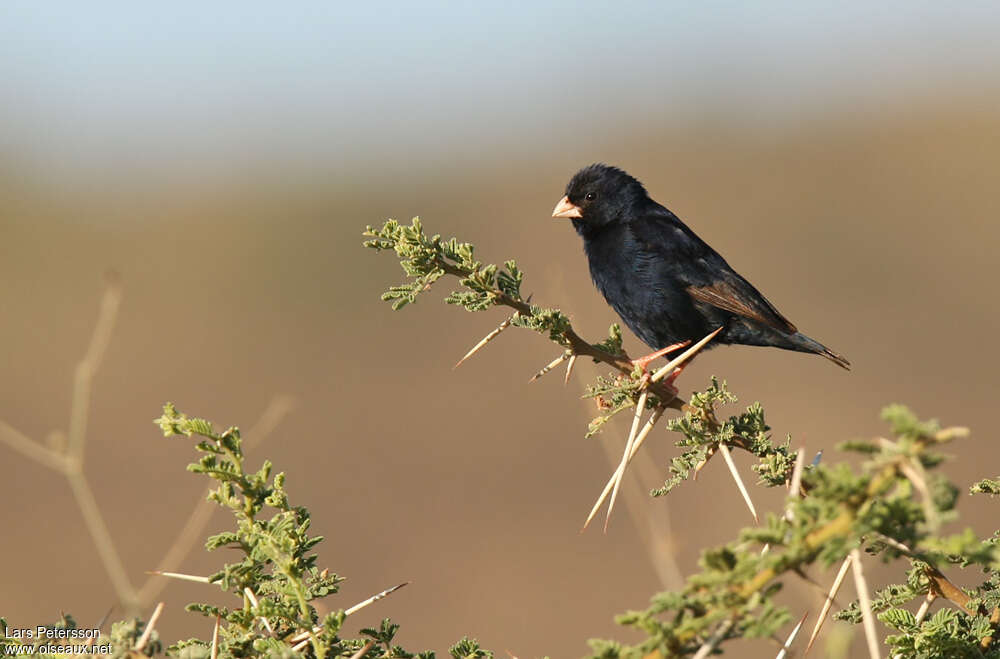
643 288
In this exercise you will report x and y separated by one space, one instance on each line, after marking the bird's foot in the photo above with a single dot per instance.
643 362
668 381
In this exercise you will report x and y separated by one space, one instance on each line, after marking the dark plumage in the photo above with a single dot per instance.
664 281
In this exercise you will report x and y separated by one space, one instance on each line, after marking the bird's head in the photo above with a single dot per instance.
599 195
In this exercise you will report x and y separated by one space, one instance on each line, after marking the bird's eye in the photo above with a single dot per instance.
591 196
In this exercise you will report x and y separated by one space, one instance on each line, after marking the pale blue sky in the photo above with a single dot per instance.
91 84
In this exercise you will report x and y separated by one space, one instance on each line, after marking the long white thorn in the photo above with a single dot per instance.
215 638
640 407
256 605
653 418
486 339
683 357
363 651
373 599
925 607
921 614
709 645
739 481
304 635
828 602
148 631
181 576
791 637
569 369
704 463
864 599
795 488
551 365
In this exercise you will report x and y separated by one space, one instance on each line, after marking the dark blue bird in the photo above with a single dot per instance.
664 281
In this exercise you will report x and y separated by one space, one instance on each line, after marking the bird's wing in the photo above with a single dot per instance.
702 272
744 300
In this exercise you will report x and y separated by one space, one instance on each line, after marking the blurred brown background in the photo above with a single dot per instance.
225 161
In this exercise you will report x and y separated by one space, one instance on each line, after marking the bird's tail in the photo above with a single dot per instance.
805 344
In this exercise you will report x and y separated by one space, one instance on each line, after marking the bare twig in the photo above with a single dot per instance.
87 367
103 542
31 449
69 460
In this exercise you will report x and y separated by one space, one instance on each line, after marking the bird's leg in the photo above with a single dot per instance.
643 362
669 380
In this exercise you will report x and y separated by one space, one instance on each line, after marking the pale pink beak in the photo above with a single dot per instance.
566 208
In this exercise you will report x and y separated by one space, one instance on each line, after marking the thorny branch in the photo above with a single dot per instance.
576 344
427 259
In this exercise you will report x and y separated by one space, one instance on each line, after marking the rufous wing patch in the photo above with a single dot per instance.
724 295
